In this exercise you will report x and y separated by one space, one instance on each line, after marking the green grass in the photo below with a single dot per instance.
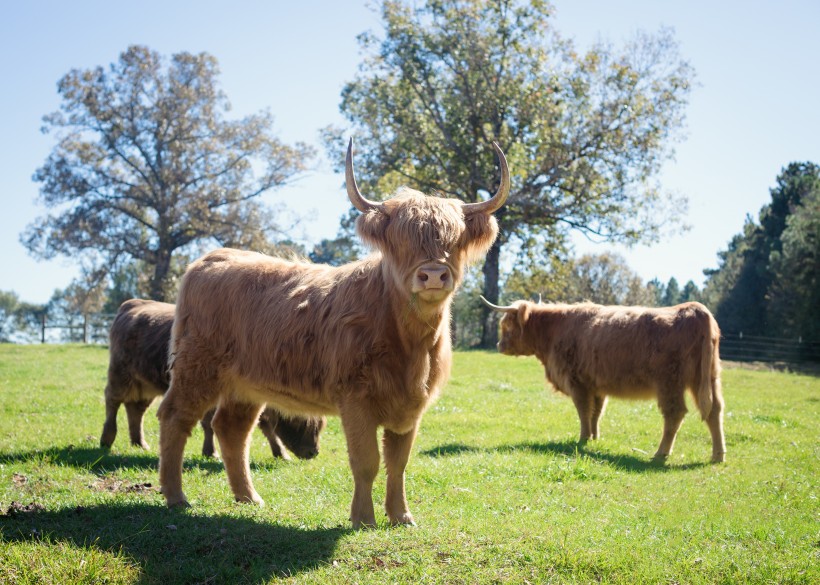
496 482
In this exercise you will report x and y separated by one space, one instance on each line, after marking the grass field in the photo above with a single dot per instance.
499 489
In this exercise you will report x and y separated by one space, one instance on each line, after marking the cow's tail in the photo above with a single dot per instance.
709 380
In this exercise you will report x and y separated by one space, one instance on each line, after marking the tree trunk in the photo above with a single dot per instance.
489 322
161 270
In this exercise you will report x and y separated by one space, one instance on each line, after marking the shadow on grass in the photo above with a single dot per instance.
176 546
568 448
101 461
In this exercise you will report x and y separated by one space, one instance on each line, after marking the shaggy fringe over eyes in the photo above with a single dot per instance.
431 224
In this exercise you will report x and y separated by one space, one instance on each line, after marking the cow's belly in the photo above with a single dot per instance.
285 400
634 392
629 384
141 390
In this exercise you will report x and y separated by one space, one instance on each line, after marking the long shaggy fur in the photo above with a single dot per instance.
138 373
591 352
354 340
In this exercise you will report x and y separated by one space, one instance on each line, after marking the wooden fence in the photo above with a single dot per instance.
93 328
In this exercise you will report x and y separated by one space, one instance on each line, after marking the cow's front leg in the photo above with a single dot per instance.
363 454
136 413
233 424
396 454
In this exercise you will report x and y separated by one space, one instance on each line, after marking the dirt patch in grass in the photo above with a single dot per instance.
20 508
114 485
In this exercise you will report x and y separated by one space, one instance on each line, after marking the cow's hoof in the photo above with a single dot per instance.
254 499
367 523
179 505
660 458
403 520
719 458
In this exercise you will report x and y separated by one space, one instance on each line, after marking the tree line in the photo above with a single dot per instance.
148 171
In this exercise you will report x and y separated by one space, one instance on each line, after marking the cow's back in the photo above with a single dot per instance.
627 351
138 344
261 323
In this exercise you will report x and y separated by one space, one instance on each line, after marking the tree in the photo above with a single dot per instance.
340 250
585 134
9 304
794 294
754 271
146 166
672 293
656 290
690 292
608 280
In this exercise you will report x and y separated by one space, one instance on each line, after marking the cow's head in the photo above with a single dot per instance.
427 241
512 340
301 435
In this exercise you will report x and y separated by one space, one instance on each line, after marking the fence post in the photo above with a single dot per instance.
43 328
85 328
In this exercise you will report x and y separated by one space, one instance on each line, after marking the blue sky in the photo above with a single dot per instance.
755 108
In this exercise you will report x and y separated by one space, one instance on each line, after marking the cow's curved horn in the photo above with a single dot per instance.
356 198
496 201
496 307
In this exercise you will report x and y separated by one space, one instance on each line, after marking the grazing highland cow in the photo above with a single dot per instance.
138 374
368 341
591 352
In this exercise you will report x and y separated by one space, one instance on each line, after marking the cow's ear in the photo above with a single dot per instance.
524 311
480 234
372 227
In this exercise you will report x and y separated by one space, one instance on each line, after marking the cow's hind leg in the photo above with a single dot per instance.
178 415
233 424
109 432
208 449
598 406
363 454
396 453
584 404
715 422
673 407
136 413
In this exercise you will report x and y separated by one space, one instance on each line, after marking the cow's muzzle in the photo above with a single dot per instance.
433 278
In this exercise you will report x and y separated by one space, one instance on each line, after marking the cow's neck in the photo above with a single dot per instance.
420 325
537 332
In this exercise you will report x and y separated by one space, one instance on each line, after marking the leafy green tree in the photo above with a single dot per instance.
608 280
341 249
672 293
690 292
9 304
794 295
466 311
146 166
29 318
548 278
656 290
752 273
585 133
